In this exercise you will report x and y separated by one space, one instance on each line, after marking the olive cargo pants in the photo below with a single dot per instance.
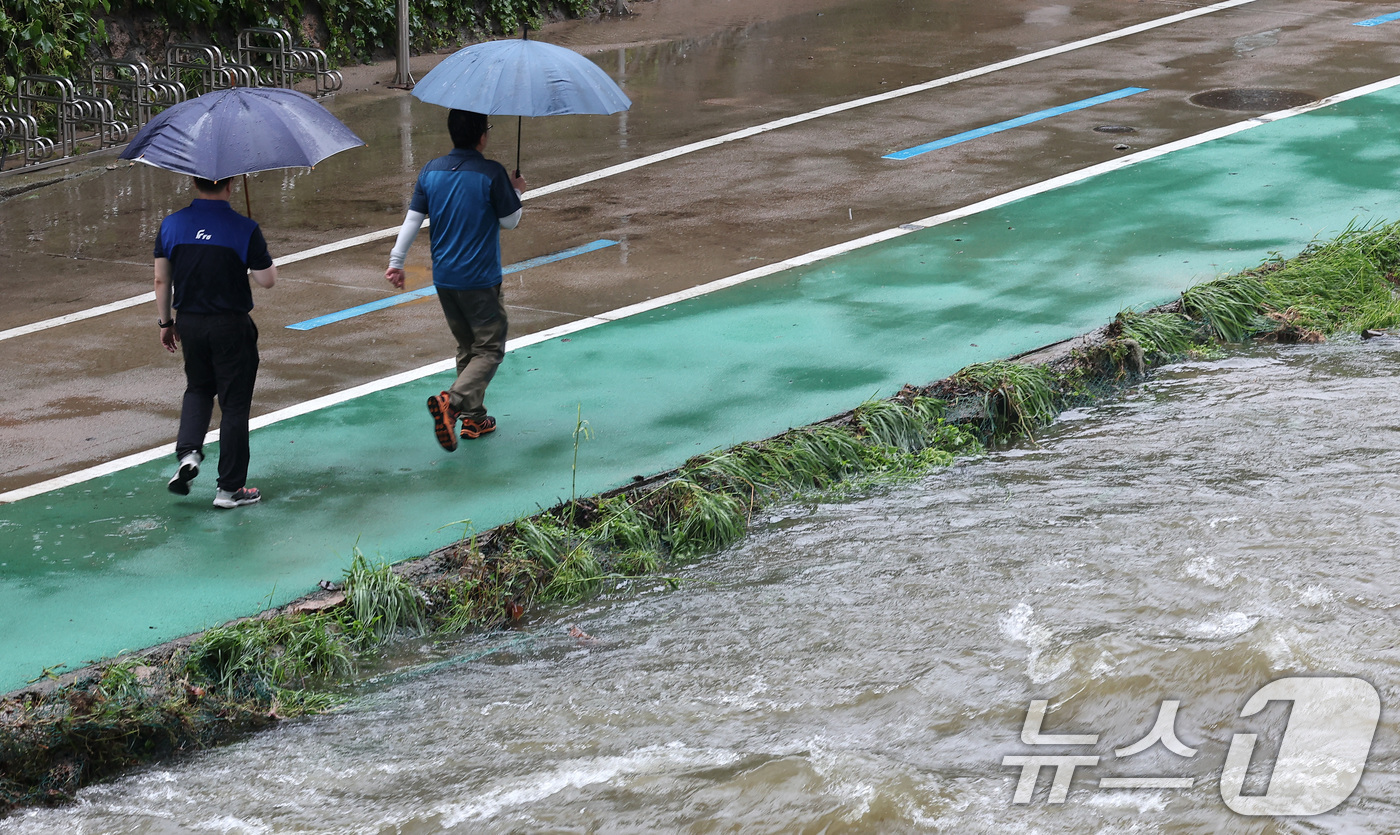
477 318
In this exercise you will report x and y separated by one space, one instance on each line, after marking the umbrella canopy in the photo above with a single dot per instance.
241 131
521 78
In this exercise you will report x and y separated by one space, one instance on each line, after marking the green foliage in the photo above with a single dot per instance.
1162 336
381 602
463 611
119 682
1341 285
48 37
637 563
623 527
1229 307
1016 397
810 459
572 567
360 27
276 652
696 519
895 424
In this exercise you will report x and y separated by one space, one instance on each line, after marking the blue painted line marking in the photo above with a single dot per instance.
430 290
1015 123
1377 21
558 256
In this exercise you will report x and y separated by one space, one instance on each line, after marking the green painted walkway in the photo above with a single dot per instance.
118 563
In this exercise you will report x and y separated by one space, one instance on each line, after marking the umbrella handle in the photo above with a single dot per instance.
247 200
519 123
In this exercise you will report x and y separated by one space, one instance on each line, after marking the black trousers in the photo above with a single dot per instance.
221 361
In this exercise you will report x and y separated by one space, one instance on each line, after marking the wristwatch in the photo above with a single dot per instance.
164 325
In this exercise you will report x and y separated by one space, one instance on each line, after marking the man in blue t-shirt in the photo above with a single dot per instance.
203 256
469 199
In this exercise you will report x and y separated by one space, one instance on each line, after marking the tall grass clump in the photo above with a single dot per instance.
812 458
904 426
624 530
570 569
1162 336
257 656
696 519
1230 308
380 602
1016 397
1342 285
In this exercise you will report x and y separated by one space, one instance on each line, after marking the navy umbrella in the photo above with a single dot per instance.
241 131
521 78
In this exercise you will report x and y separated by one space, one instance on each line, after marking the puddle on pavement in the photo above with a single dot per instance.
683 90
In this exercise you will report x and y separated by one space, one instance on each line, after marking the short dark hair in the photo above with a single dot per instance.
466 128
211 186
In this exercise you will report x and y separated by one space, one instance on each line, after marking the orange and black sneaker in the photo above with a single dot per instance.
444 420
476 427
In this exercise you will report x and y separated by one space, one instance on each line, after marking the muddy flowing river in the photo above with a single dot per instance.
866 665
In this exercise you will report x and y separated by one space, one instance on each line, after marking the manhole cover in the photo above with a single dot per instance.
1115 129
1252 98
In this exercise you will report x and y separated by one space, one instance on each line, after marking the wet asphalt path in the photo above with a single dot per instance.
88 392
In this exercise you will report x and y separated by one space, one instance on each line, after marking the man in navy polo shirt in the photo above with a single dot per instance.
203 257
469 199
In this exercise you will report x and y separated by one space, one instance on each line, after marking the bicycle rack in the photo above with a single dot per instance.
74 111
204 66
134 88
280 63
121 96
268 50
20 129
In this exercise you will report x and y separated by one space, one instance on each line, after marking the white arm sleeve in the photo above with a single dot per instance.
412 222
512 220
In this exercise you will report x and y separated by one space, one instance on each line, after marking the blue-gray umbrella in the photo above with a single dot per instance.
521 78
244 130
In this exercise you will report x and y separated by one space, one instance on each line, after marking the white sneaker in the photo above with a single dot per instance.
189 468
238 498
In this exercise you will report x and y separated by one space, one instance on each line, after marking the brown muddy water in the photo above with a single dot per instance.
865 665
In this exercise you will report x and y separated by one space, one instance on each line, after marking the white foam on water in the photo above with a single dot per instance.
230 825
1224 625
1140 802
578 773
839 775
1019 625
1205 570
1315 594
1291 649
1103 665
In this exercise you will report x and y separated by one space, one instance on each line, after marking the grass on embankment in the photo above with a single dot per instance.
236 678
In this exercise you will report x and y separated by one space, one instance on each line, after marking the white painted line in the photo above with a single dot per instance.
642 162
77 316
713 286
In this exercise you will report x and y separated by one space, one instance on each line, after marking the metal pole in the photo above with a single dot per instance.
519 121
403 76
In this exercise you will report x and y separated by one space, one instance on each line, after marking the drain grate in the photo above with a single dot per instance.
1115 129
1252 98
